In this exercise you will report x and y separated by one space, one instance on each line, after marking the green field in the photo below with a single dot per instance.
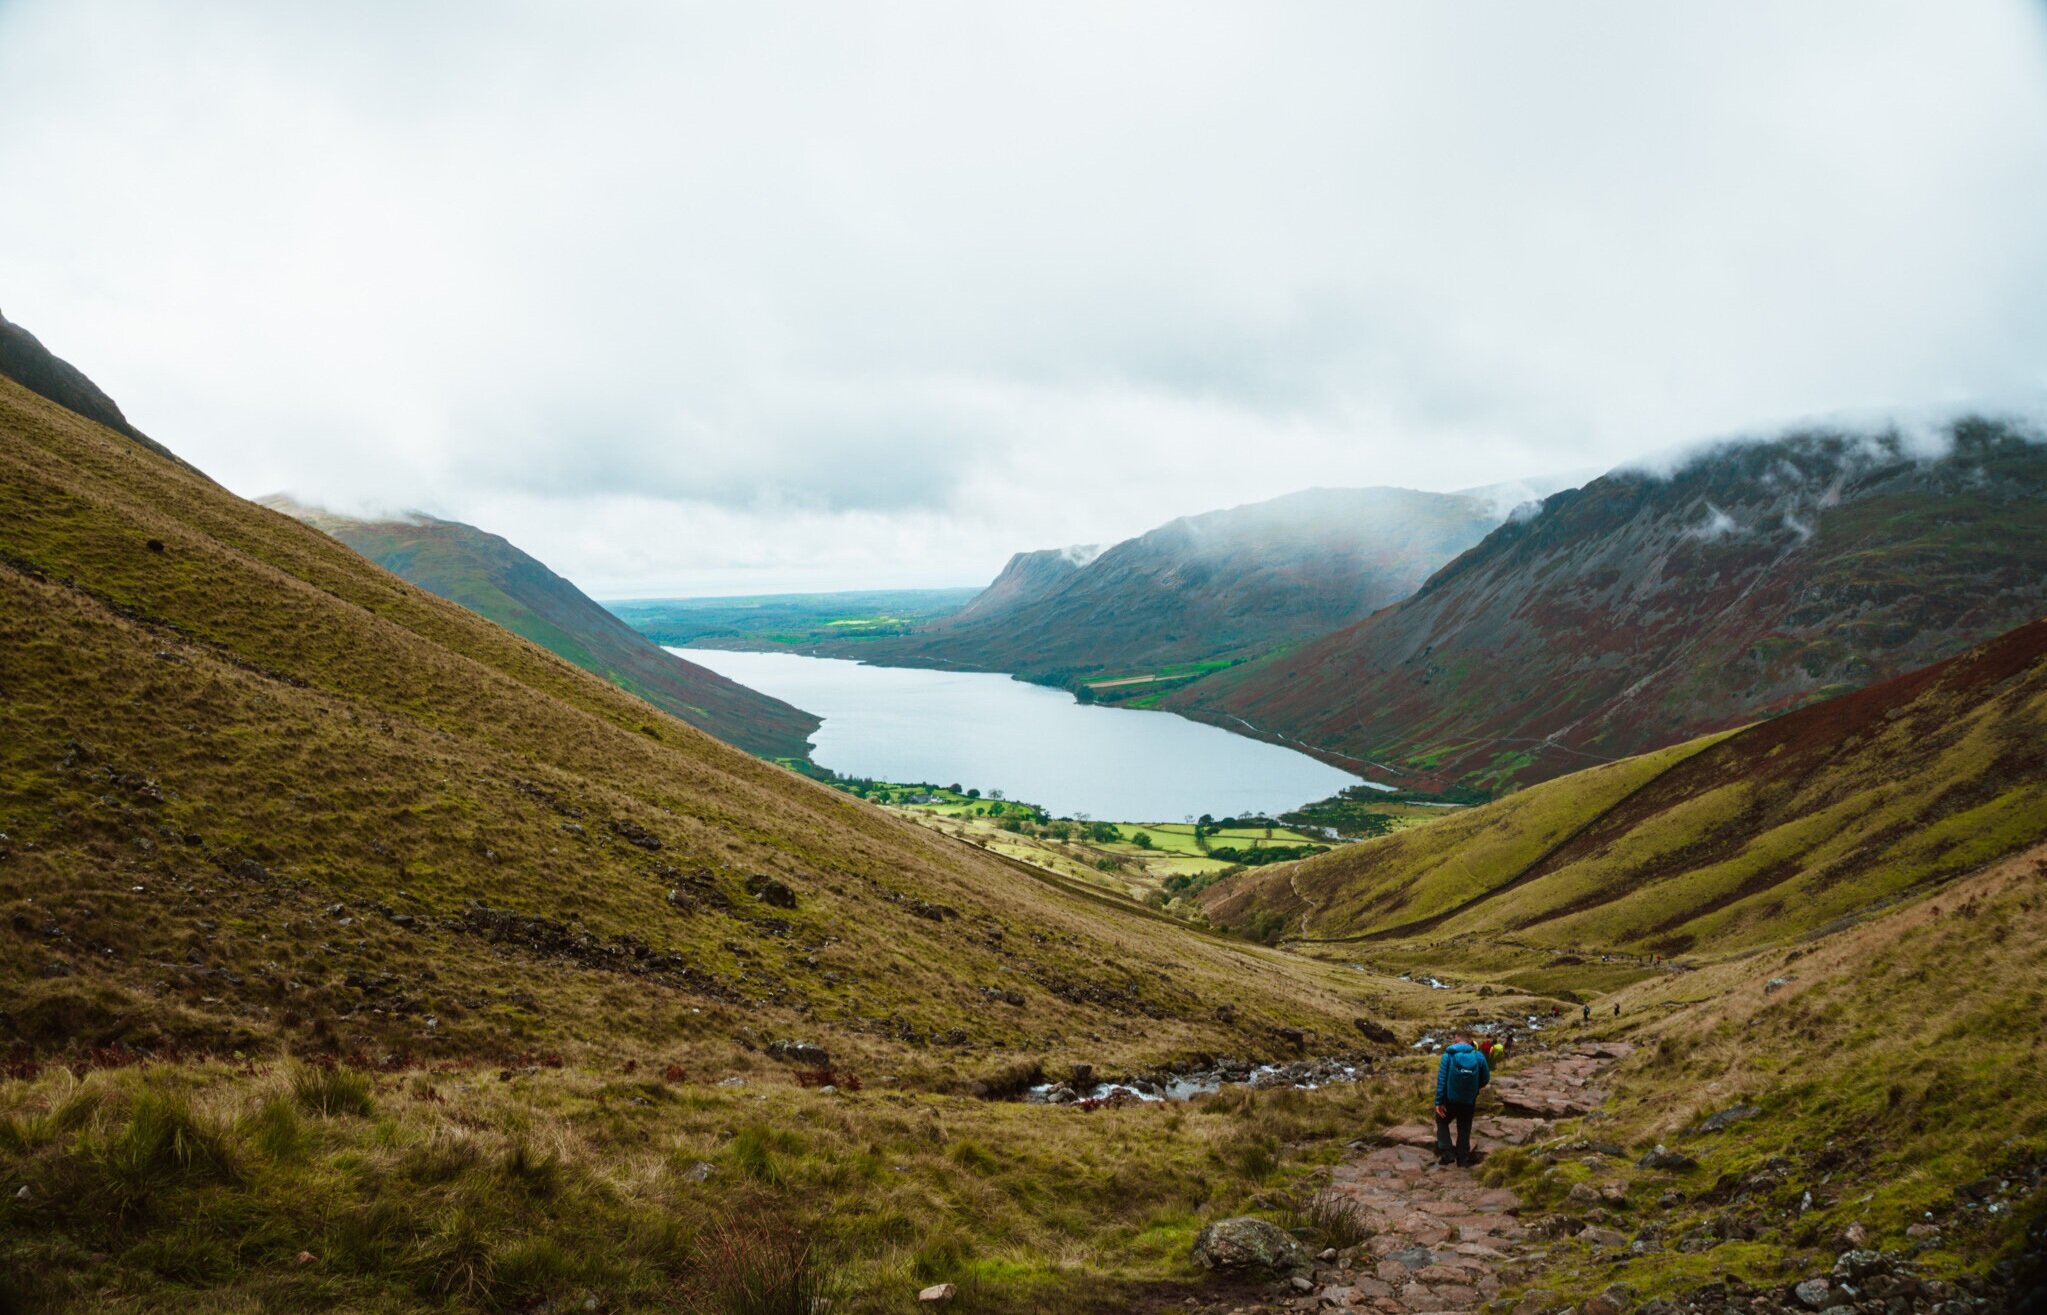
769 621
1144 689
1164 864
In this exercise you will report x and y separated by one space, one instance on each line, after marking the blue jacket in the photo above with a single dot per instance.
1462 1075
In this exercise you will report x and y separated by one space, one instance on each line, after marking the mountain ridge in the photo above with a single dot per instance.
1205 589
1641 610
24 359
494 578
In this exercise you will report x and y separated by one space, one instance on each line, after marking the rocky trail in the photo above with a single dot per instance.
1441 1240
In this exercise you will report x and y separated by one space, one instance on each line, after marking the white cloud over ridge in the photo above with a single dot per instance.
710 298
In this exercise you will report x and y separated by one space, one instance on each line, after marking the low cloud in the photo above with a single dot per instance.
899 288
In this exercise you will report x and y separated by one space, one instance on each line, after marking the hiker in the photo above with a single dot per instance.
1460 1076
1616 1009
1588 1014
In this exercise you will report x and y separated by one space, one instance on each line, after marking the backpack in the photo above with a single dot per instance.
1467 1074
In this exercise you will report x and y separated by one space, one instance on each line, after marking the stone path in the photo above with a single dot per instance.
1440 1238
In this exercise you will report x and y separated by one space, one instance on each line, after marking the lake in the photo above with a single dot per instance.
1028 741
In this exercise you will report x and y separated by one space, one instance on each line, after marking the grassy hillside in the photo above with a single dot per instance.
216 704
1188 597
1729 841
261 798
1892 1085
24 359
359 954
1644 609
493 578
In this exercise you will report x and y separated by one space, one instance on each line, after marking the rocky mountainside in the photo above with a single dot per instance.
1203 589
1029 578
24 359
1642 609
493 578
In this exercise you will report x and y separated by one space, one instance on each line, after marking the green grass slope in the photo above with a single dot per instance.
257 791
265 806
1894 1084
493 578
1731 841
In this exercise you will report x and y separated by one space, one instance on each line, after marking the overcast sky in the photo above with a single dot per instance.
737 297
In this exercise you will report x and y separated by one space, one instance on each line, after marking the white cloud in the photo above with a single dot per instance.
804 296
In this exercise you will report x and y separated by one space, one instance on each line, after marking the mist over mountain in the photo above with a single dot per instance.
1647 608
1211 588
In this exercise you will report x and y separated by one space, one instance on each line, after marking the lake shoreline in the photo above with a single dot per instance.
1032 741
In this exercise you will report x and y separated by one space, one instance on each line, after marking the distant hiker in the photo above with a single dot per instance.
1588 1014
1461 1075
1616 1009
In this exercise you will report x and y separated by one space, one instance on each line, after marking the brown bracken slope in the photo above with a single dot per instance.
1641 611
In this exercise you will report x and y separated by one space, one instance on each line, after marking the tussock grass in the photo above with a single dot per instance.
760 1263
501 1195
329 1090
1337 1221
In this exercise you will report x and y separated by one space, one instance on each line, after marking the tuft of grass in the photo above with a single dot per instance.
760 1263
1339 1221
330 1090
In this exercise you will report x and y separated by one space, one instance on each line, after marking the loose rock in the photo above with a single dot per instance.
1244 1243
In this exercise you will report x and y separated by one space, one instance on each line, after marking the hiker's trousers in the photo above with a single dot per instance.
1461 1116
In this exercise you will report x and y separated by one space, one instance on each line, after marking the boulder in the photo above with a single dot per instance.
1814 1294
1732 1114
1242 1243
800 1052
1378 1032
1604 1237
938 1294
1617 1299
770 891
1664 1158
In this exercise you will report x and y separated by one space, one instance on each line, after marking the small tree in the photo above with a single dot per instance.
1142 840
